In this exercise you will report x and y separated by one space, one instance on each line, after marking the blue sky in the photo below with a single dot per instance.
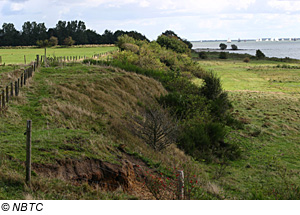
191 19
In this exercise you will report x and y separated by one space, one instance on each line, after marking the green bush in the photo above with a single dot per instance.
234 47
260 54
202 111
213 91
202 55
69 41
124 39
53 41
223 55
131 47
223 46
246 60
205 140
174 44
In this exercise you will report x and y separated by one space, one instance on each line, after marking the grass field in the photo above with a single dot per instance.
16 56
266 98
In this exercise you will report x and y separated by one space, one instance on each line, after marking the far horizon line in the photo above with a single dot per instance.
242 40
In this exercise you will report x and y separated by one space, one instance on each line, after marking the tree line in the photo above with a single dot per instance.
32 32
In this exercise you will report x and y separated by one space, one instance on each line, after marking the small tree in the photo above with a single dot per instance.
43 44
157 128
53 41
260 54
234 47
223 46
69 41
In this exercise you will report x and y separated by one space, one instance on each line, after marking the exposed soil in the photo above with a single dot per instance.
106 175
96 172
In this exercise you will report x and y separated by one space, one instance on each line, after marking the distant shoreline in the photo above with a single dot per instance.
219 50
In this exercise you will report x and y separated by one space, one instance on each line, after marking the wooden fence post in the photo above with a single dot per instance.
11 89
3 99
7 97
28 152
180 185
37 60
25 59
22 80
18 85
16 88
0 59
25 77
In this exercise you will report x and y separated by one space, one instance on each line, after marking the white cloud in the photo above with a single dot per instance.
289 6
144 3
16 6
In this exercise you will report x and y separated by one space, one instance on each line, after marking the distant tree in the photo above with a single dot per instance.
223 46
69 41
234 47
108 37
92 37
53 41
260 54
9 36
60 31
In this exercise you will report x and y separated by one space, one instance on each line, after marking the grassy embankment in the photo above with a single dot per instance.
78 113
266 98
16 56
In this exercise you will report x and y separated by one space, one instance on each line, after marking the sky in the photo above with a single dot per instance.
190 19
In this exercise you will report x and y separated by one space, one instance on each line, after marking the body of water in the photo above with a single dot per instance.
279 49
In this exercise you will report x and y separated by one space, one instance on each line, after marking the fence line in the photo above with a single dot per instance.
69 58
66 59
15 86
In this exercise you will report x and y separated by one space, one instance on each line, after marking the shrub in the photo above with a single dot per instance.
53 41
131 47
223 55
173 43
124 39
202 55
246 60
69 41
213 91
260 54
223 46
234 47
42 43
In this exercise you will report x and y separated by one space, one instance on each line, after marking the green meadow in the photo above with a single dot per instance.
266 99
16 56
